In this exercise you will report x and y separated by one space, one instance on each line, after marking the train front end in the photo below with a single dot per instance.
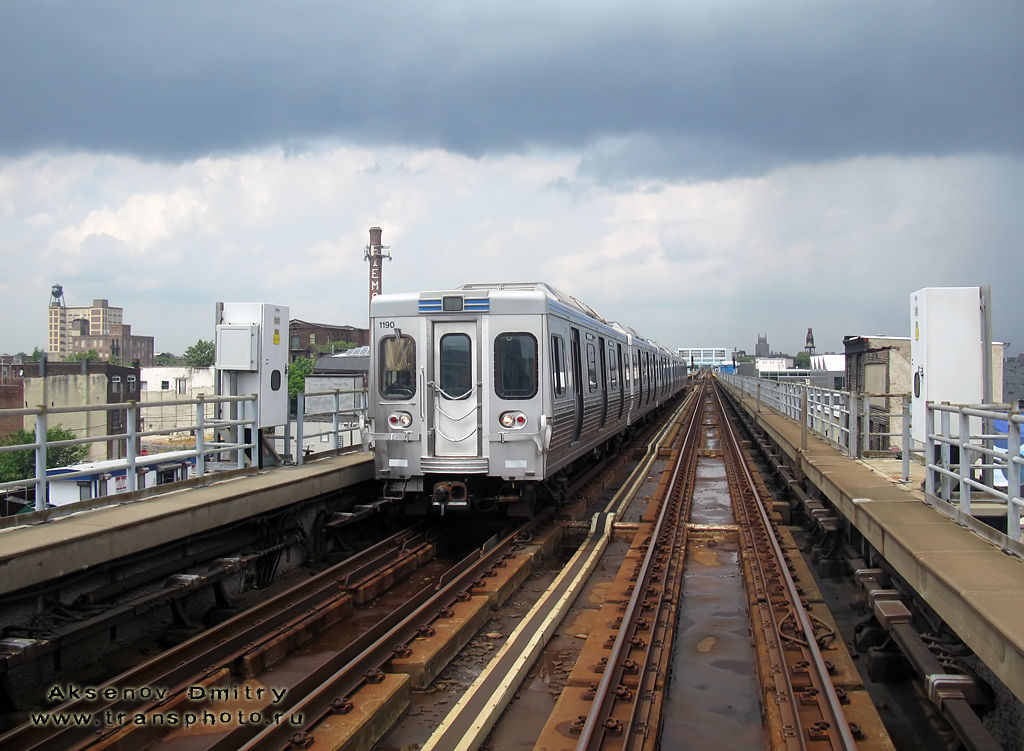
457 414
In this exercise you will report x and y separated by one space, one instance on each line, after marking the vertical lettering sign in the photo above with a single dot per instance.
374 275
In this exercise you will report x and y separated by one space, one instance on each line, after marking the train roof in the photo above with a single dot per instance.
546 289
491 297
487 297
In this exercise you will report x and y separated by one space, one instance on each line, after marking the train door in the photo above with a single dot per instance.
577 383
647 376
456 372
622 379
603 382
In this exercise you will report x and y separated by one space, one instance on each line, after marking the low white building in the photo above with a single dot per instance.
162 385
766 365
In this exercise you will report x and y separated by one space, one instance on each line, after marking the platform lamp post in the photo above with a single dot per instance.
374 253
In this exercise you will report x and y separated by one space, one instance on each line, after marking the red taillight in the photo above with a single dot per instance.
514 419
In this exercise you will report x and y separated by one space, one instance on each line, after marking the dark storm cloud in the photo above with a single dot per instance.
662 89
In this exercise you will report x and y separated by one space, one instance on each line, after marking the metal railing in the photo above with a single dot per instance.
214 437
222 435
342 411
850 422
976 449
964 467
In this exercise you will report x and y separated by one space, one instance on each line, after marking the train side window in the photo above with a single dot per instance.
398 367
613 368
456 366
515 366
592 366
558 365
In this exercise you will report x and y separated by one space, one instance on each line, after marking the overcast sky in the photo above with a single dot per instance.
701 171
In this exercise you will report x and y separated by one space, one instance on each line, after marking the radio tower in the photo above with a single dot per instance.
374 253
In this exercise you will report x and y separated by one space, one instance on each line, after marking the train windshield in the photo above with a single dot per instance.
398 367
515 366
456 366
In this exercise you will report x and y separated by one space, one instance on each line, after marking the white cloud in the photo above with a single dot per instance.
837 246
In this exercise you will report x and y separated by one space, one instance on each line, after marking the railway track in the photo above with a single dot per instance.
615 697
344 693
804 708
240 649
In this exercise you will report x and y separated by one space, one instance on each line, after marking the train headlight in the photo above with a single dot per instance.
512 420
399 419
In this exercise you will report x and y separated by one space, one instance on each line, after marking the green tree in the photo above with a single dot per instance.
79 356
300 367
200 355
166 358
21 465
36 356
802 360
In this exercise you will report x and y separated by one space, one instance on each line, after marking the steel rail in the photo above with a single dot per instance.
593 732
827 698
622 499
337 679
190 662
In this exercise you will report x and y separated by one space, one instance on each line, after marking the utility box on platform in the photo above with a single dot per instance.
252 356
945 352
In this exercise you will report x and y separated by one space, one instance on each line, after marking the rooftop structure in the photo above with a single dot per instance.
100 327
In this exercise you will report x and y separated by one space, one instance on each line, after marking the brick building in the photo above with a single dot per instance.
307 339
100 327
12 391
79 384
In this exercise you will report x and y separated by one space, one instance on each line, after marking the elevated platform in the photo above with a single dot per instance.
970 582
35 553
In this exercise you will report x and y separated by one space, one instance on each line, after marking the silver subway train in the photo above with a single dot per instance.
482 398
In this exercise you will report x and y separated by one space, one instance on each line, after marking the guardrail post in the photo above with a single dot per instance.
300 409
965 466
759 397
906 438
944 450
929 449
852 418
334 422
42 485
287 454
240 442
987 428
256 446
201 437
130 476
865 433
803 420
1013 489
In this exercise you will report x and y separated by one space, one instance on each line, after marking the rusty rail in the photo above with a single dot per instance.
809 704
327 690
667 538
196 659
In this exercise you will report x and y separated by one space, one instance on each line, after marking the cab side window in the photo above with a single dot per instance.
398 367
515 366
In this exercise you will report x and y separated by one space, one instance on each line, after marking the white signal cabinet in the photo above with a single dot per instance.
945 352
252 355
